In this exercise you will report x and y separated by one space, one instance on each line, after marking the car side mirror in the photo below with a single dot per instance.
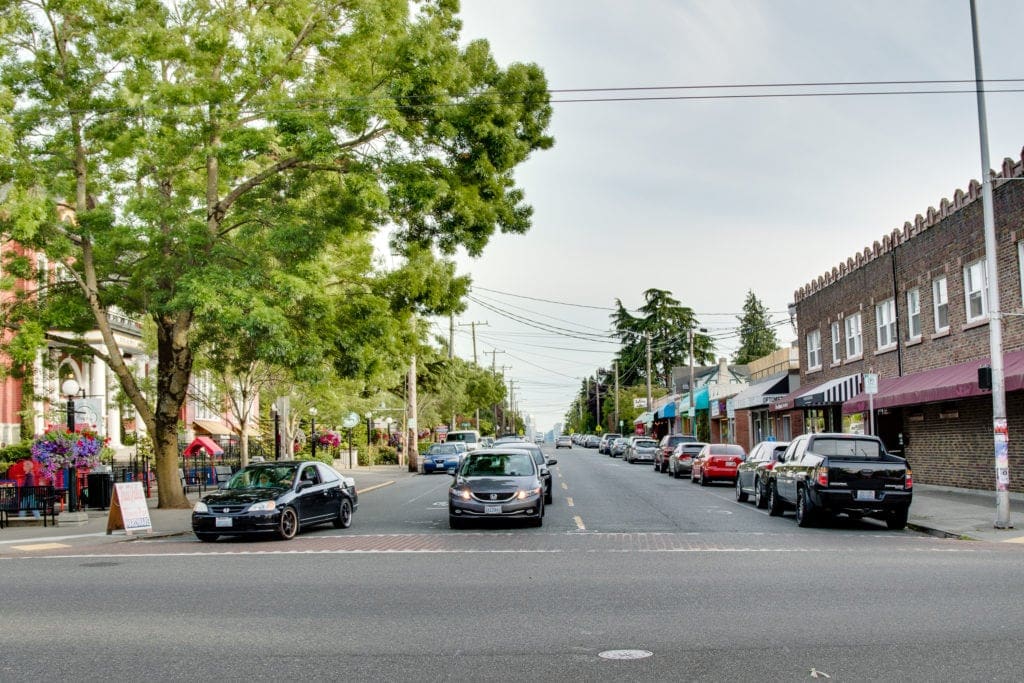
303 485
552 461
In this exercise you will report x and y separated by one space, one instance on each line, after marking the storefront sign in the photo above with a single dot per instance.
639 402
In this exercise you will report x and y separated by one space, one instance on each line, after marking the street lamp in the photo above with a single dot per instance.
368 416
71 389
277 431
312 431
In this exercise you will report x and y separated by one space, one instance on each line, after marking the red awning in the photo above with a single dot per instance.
941 384
204 442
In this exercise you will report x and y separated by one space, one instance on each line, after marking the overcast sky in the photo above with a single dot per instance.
710 198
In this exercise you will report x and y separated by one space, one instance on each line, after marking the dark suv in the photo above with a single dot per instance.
668 444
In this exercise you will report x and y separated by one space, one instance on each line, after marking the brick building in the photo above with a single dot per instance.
913 308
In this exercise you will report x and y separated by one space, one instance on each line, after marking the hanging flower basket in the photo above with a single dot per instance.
329 438
57 449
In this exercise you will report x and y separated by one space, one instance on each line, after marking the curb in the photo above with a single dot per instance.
939 533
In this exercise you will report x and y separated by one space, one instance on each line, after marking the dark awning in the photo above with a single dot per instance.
941 384
762 393
832 392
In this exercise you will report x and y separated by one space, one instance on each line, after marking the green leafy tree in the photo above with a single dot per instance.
757 335
668 323
212 160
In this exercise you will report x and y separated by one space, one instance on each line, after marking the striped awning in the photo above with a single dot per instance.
833 392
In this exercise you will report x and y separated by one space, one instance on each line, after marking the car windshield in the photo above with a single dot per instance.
848 448
498 465
693 448
442 449
465 437
263 477
645 443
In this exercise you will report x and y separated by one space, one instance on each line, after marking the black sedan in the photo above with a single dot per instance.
498 483
276 498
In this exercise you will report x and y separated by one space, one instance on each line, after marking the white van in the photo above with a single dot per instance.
470 437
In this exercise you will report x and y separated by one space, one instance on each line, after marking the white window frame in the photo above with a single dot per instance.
854 338
940 301
885 323
814 350
837 343
914 314
976 291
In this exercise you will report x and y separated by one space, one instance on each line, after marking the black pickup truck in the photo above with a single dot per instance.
822 475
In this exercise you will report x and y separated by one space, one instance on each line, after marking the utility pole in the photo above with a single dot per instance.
587 398
494 371
412 435
511 403
597 410
475 361
693 398
451 336
617 425
1000 430
650 401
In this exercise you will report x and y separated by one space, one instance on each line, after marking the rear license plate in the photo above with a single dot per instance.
492 509
730 464
863 495
222 521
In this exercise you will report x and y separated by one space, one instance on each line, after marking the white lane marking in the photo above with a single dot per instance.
565 487
568 501
374 487
625 654
53 538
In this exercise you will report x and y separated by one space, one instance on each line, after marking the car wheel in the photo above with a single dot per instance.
539 519
897 519
548 497
741 495
288 524
760 499
344 518
693 477
804 515
774 502
675 473
454 522
206 537
703 480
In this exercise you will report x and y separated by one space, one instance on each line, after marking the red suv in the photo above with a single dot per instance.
668 444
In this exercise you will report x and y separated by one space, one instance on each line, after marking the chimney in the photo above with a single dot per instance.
723 371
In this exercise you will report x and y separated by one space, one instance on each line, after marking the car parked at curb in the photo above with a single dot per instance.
668 444
752 474
825 474
681 460
717 462
563 441
604 446
496 483
280 498
619 446
640 450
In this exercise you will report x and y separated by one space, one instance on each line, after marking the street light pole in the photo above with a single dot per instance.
71 389
312 432
277 431
369 417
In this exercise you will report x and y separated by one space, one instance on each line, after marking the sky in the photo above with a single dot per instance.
712 197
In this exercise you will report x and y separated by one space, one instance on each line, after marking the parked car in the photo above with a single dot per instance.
681 460
496 483
486 441
604 446
822 475
509 438
752 474
717 462
470 437
543 465
668 444
279 498
641 449
593 441
441 457
619 446
563 441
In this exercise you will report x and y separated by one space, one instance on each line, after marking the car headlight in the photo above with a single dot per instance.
526 493
263 506
200 506
464 494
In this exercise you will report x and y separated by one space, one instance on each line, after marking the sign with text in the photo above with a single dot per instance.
870 383
639 402
128 509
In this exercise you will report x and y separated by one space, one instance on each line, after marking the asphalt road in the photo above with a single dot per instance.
626 560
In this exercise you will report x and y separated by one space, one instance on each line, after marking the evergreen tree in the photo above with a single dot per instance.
757 336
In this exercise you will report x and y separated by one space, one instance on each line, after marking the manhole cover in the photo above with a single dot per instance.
625 654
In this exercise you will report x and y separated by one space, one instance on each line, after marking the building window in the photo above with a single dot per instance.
854 343
940 304
975 291
914 313
837 343
814 350
885 320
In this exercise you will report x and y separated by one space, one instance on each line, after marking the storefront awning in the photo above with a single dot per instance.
212 427
833 392
941 384
666 412
644 418
764 392
702 401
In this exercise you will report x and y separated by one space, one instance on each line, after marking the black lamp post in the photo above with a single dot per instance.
369 417
277 432
71 389
312 431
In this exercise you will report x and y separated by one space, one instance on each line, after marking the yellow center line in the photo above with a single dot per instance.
40 546
579 523
568 501
565 487
375 486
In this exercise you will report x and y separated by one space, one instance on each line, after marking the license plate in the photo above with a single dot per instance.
730 464
439 462
864 495
492 509
222 521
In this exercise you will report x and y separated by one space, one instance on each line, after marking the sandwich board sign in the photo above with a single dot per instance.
128 509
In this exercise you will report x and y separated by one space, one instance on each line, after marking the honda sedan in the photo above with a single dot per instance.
496 483
278 498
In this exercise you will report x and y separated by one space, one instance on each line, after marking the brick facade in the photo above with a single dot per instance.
954 452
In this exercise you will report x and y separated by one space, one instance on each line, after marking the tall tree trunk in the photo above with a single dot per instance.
174 370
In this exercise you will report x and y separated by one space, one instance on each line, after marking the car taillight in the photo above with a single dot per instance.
908 481
770 466
822 476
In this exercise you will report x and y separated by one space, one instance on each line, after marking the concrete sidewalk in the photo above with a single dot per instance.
936 510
